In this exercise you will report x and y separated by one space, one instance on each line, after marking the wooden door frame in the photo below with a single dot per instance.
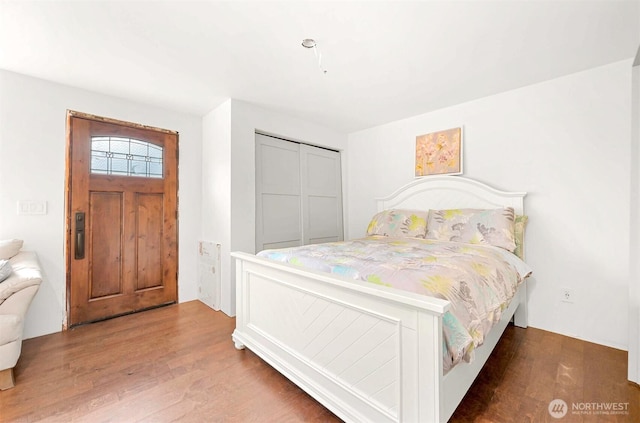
67 196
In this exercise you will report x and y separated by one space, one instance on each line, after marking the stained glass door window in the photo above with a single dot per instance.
125 157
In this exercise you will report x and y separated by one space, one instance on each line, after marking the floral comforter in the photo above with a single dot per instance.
479 281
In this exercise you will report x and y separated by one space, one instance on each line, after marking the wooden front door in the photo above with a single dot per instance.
122 232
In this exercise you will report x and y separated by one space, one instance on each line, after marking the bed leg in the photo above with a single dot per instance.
238 344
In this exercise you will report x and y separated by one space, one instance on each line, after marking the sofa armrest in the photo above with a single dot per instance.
12 313
19 302
26 272
16 294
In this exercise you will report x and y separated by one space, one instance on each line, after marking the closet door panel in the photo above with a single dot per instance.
278 202
323 220
282 216
321 185
322 171
280 168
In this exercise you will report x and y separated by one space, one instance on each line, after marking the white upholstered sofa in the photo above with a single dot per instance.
16 293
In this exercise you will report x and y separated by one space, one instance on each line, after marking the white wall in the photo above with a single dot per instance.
566 142
216 188
32 152
237 160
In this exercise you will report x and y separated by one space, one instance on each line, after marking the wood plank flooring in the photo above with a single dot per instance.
178 363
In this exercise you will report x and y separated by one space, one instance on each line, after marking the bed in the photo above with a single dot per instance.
365 351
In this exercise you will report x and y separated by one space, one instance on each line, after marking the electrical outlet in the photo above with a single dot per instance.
566 295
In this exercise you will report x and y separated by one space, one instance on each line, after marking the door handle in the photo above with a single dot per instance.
79 253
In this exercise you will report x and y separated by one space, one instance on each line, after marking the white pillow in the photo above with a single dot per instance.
9 248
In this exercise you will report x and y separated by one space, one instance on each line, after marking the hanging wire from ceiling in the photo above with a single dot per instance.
310 43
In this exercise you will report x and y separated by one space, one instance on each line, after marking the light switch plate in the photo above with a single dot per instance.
32 207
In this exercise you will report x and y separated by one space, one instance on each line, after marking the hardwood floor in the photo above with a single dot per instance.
178 363
530 368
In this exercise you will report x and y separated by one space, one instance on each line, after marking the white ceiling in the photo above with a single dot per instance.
385 60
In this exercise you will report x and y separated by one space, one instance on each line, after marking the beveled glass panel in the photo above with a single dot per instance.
98 164
119 146
139 148
138 167
155 151
100 144
119 165
126 157
155 168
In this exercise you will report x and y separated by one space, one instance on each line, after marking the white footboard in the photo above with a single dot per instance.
367 353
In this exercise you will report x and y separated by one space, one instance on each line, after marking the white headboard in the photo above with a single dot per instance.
450 192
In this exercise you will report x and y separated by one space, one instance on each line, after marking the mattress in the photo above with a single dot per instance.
478 280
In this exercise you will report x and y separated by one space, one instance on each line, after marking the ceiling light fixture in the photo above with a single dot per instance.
311 43
308 43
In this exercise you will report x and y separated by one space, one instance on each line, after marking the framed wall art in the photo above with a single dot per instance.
439 153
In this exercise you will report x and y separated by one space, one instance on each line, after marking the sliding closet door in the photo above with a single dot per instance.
278 202
321 188
298 194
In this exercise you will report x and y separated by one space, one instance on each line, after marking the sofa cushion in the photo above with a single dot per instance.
5 270
26 272
9 248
